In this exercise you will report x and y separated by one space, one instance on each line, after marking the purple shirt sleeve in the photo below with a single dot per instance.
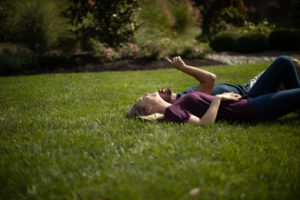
175 114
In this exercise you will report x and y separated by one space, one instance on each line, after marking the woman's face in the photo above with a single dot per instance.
149 100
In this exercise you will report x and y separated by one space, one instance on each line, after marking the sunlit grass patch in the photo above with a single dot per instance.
66 136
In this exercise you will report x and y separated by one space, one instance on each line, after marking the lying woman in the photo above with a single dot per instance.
262 102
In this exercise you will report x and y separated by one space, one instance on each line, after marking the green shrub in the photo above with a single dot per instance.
19 61
103 52
168 28
3 16
152 50
182 18
218 13
249 37
111 22
263 27
166 19
192 52
38 24
224 41
252 41
155 22
129 50
285 40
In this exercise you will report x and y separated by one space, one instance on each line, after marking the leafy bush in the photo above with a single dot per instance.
263 27
157 50
166 19
183 20
165 28
3 16
19 61
152 50
249 37
168 28
111 22
218 13
285 39
224 41
252 41
129 50
103 52
37 24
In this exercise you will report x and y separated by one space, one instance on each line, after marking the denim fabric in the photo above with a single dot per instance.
276 104
265 101
219 88
282 70
191 89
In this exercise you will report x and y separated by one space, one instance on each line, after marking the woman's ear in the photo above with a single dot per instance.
149 109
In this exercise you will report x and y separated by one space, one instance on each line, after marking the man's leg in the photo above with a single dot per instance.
282 70
276 104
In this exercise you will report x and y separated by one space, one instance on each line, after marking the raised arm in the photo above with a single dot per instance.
207 80
210 115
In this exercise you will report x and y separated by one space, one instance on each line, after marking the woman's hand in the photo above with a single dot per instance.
229 96
177 62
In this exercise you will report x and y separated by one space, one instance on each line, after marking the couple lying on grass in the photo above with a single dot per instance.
263 98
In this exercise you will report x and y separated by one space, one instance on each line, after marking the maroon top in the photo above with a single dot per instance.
197 103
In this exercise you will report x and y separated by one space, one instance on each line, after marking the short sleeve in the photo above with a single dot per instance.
176 114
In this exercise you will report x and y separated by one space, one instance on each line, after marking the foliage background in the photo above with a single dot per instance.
130 29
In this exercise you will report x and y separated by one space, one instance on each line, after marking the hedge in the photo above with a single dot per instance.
224 41
285 40
288 40
252 41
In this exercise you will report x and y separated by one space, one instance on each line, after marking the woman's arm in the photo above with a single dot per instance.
210 115
206 78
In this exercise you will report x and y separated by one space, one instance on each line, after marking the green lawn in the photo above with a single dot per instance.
66 136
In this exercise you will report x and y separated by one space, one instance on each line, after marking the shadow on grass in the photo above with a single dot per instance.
292 119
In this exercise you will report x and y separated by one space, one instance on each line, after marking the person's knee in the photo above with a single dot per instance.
284 60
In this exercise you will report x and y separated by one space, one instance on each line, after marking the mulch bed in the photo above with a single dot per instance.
84 63
139 64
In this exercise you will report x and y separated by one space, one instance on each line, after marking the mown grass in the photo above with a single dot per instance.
66 136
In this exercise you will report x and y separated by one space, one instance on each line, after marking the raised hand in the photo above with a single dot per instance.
176 62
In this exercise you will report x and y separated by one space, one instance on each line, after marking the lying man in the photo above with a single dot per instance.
208 83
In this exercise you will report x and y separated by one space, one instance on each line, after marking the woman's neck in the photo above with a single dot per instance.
161 108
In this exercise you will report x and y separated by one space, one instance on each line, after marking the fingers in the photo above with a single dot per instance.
236 97
230 96
176 58
168 59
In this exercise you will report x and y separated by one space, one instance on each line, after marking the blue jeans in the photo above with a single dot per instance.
265 101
